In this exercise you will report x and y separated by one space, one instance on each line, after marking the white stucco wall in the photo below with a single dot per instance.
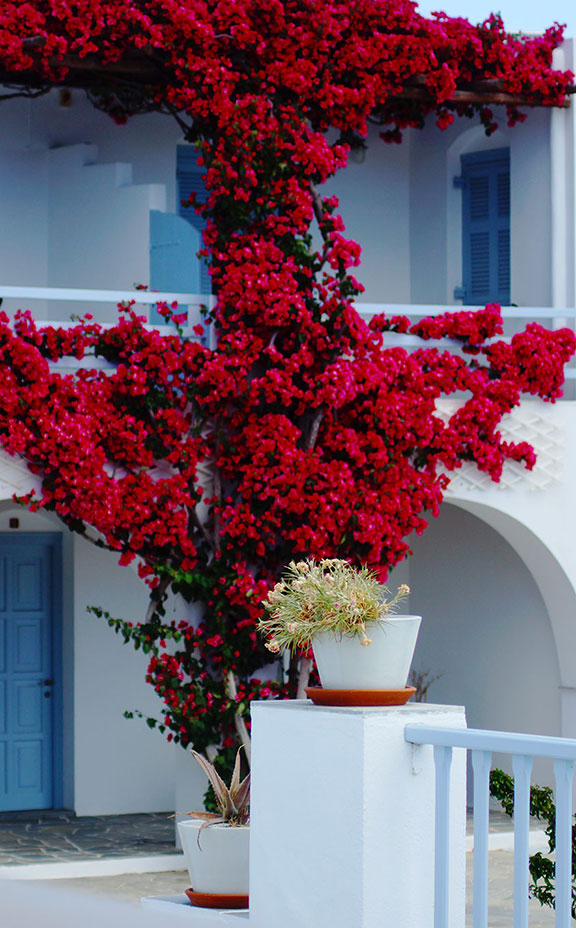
120 764
374 195
374 203
76 192
436 205
98 224
400 203
23 206
538 524
485 628
495 578
67 222
148 142
110 764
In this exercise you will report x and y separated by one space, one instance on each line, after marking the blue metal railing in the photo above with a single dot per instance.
523 749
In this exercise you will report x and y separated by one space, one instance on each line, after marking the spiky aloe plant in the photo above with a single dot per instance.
233 801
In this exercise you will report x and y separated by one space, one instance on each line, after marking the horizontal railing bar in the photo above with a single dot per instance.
502 741
400 340
165 328
508 312
365 309
102 296
88 362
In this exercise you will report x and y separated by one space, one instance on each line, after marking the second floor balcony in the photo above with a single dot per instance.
534 421
58 306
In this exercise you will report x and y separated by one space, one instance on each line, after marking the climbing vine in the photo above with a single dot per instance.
305 431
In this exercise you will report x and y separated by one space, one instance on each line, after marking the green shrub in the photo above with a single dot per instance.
543 808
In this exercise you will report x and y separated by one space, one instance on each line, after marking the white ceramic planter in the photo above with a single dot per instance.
221 863
345 664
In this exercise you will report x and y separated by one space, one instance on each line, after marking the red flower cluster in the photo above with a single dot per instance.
303 433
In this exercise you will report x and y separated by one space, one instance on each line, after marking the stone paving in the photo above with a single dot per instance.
49 837
501 896
132 887
125 887
59 837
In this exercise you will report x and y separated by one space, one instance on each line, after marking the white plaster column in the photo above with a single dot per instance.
342 820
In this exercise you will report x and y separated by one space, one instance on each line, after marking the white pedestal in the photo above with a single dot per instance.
342 822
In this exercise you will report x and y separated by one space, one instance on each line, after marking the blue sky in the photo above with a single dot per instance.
518 15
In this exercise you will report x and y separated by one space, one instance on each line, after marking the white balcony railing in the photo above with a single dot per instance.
142 298
514 317
83 299
508 312
86 300
523 748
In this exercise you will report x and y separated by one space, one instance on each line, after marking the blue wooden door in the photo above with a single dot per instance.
28 600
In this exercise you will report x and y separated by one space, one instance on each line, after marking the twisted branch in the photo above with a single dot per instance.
239 723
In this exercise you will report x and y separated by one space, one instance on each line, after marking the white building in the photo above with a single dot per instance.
91 205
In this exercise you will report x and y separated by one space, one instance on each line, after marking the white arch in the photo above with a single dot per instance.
556 588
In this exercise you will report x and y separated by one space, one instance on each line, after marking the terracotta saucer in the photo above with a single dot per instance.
322 697
217 900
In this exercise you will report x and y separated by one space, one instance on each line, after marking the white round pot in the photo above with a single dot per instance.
345 664
218 858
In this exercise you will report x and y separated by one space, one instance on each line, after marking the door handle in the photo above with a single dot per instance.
47 683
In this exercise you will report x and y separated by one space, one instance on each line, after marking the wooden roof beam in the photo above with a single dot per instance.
141 70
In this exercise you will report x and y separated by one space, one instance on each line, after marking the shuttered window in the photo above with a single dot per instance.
189 179
486 227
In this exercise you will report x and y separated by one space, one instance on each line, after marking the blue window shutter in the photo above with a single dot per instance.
486 227
190 179
174 266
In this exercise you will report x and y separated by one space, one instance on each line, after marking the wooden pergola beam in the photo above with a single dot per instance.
480 97
141 70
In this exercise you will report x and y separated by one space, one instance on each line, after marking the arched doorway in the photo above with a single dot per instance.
492 626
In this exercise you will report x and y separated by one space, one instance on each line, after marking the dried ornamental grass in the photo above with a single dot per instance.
325 596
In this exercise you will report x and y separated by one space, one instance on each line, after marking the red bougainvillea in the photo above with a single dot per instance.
305 431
